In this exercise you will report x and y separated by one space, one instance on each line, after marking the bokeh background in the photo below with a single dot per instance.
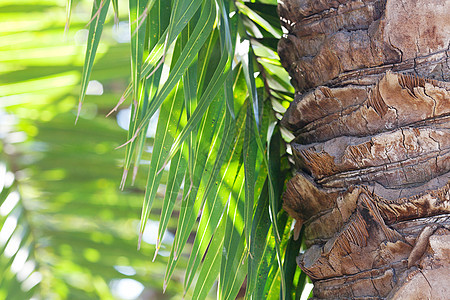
67 231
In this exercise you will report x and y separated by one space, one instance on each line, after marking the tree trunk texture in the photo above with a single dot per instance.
371 119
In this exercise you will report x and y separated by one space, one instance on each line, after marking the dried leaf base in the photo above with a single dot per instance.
372 149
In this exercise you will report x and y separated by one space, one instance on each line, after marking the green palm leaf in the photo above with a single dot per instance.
99 11
209 68
137 32
234 263
217 195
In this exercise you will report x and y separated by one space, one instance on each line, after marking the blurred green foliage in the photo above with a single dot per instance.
79 231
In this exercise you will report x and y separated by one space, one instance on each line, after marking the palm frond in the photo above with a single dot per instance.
17 243
212 54
208 72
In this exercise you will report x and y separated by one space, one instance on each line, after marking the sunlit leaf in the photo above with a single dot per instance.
115 4
211 264
182 13
250 154
99 11
68 14
217 193
137 32
276 32
168 123
209 135
234 261
258 267
188 54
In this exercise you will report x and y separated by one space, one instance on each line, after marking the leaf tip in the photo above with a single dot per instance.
133 178
157 249
165 163
78 112
139 241
112 110
130 140
124 179
250 254
66 28
121 100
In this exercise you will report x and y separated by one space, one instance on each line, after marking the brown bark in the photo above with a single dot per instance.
371 118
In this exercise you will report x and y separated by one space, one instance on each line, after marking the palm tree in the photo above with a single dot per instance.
207 74
370 119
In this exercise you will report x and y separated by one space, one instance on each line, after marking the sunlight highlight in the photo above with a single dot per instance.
94 88
8 229
26 270
19 260
9 203
127 289
31 281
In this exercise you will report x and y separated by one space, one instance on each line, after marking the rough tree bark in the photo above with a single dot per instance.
371 118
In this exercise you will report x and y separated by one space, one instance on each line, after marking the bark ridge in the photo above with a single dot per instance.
371 120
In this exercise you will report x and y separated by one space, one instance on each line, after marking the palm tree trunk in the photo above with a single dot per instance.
371 119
